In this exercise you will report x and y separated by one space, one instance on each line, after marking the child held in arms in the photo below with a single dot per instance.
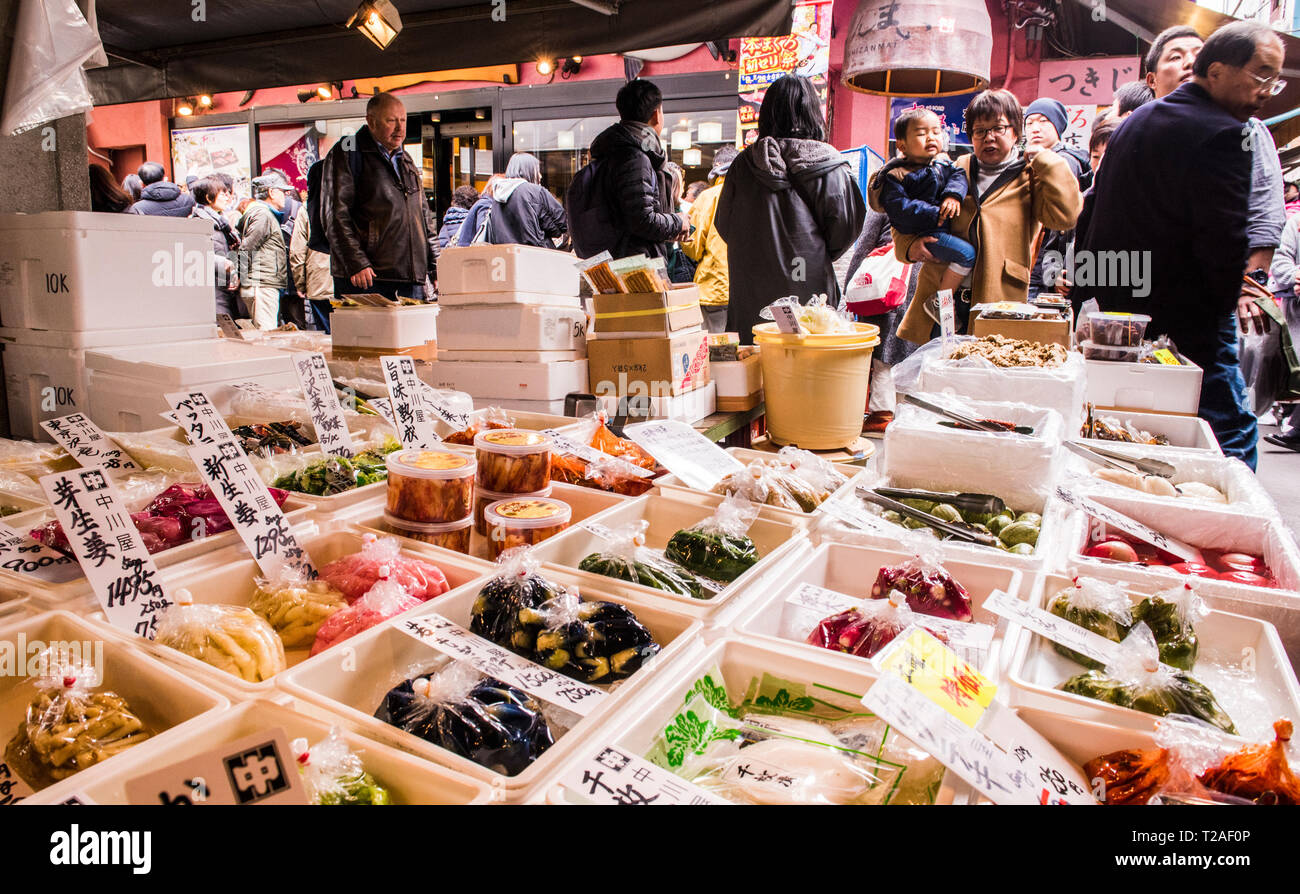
922 190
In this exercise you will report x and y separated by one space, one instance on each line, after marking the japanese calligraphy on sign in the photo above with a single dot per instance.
1130 526
680 449
411 416
939 674
1048 625
1090 81
198 418
109 548
12 788
226 469
1078 130
253 770
455 421
23 555
88 445
323 404
609 775
384 407
451 639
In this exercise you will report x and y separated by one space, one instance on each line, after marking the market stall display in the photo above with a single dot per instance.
231 638
430 486
513 461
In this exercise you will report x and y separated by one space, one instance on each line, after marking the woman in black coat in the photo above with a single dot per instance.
789 207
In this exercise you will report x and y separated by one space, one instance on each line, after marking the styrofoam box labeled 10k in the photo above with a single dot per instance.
471 269
79 270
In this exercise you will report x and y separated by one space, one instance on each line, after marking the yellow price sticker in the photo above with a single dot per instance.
1166 357
938 673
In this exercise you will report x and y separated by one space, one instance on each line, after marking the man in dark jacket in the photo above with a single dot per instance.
629 159
1045 121
1173 197
381 232
159 197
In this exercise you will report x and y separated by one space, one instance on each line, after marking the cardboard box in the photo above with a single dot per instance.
1046 332
642 314
740 404
673 365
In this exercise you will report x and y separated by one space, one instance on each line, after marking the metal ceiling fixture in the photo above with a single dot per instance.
919 47
378 20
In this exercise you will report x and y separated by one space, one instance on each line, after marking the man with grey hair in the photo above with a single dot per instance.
381 233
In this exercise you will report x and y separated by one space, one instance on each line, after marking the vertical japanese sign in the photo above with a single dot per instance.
23 555
1091 81
1078 132
805 51
323 404
414 422
248 504
109 548
88 445
198 418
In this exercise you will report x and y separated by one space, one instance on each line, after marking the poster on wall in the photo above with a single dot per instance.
1091 81
805 51
291 150
950 109
199 151
1078 132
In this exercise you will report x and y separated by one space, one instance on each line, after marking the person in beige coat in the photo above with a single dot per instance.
1013 197
309 257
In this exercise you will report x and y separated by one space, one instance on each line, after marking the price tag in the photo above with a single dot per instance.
1048 625
255 769
384 407
947 315
457 421
787 319
1166 357
680 449
820 599
609 775
936 672
226 324
228 471
23 555
199 419
12 787
88 445
451 639
598 529
109 549
412 420
323 404
562 444
1132 527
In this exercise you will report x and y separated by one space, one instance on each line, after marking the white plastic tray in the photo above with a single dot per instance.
1231 476
1186 432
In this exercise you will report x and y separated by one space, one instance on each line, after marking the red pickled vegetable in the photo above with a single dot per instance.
1249 578
930 590
1259 773
1196 569
857 634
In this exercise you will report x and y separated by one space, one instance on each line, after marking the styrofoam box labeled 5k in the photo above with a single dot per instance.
512 327
489 269
76 270
508 381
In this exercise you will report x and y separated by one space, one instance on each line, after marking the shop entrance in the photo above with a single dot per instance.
456 150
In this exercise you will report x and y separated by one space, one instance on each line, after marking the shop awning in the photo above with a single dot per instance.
157 51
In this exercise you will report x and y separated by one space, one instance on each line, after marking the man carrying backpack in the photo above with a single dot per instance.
617 203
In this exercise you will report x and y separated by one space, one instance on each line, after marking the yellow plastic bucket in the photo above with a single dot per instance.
815 386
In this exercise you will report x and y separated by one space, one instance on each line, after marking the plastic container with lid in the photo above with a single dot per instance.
484 498
454 535
1117 330
1116 353
430 486
513 460
524 521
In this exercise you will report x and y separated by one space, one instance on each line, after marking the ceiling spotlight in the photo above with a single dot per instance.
306 95
186 107
480 114
545 67
572 65
435 117
325 91
205 100
378 20
577 60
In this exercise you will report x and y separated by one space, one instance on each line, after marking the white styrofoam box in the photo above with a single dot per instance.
512 327
831 679
532 407
1059 389
690 407
45 369
384 656
1144 386
775 540
407 779
229 577
852 570
128 404
1240 659
81 270
165 701
529 297
190 363
482 270
504 356
915 440
1186 432
384 328
1230 475
496 382
737 378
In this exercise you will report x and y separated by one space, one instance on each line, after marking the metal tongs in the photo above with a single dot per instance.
955 416
961 532
984 504
1139 466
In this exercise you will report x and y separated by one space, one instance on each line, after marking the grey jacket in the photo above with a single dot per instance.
262 241
1267 207
1286 260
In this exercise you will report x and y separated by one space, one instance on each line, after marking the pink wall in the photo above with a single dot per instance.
131 125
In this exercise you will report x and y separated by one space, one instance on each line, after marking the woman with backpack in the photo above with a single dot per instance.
518 210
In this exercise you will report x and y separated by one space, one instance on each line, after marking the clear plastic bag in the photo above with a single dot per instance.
355 574
68 727
595 642
602 473
717 547
323 476
772 484
1101 607
625 557
866 629
817 317
231 638
929 588
333 774
52 42
1172 614
506 610
294 606
388 597
493 417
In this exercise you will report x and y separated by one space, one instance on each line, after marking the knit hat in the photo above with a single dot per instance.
1053 111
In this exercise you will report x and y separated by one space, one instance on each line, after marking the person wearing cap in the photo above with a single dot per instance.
285 206
264 258
1045 121
706 247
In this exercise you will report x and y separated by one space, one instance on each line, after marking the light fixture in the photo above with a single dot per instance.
691 158
480 114
435 117
324 91
572 65
186 107
205 100
577 60
710 132
545 67
378 20
681 139
950 59
564 139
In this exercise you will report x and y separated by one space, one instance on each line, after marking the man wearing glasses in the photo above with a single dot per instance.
1176 185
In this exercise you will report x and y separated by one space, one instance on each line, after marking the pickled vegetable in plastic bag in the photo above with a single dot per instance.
324 476
866 629
333 774
1139 681
611 444
492 418
230 638
820 474
626 558
602 473
387 598
591 641
294 606
355 574
506 610
480 718
772 484
1101 607
1258 772
929 588
1129 776
1171 614
717 547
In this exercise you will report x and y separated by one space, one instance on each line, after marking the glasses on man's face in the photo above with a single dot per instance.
982 133
1272 86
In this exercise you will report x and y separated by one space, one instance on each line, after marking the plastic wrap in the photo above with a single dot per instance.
18 485
480 718
1172 615
866 629
817 317
601 438
1258 773
265 439
626 558
386 598
33 459
355 574
231 638
1139 681
68 727
164 449
929 588
294 606
333 774
491 418
1094 605
513 461
324 476
1101 427
52 43
455 536
1198 481
772 484
717 547
600 474
505 610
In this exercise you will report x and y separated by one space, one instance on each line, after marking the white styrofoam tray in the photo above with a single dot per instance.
189 363
1187 432
1144 386
1230 475
381 328
1060 389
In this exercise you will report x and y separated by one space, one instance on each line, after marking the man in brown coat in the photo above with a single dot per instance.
1013 196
